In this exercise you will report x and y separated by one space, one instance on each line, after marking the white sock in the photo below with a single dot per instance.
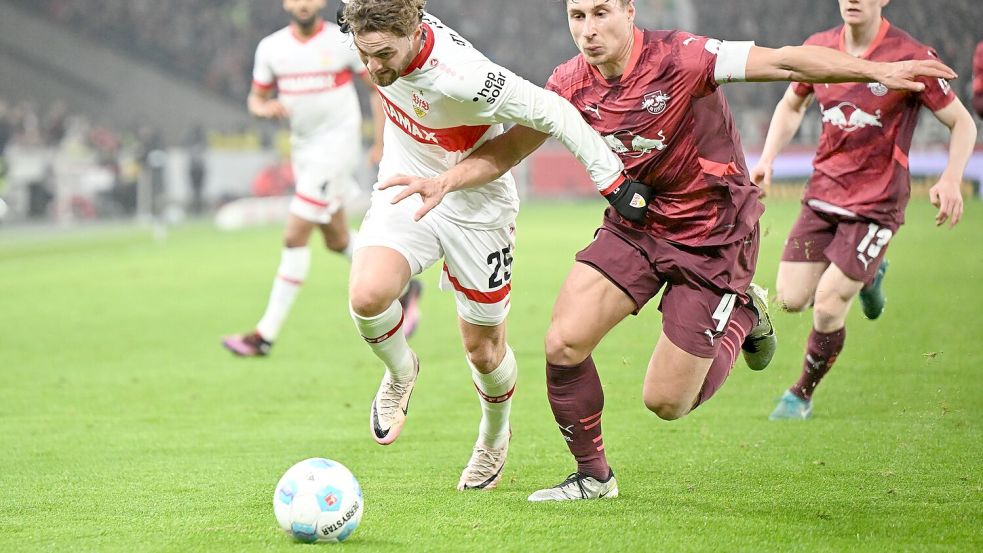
495 395
349 250
383 333
294 264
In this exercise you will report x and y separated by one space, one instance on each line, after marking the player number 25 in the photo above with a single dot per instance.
500 261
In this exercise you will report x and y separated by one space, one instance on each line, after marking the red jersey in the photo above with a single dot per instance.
978 79
861 164
674 131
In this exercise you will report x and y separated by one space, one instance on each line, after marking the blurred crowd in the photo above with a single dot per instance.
212 42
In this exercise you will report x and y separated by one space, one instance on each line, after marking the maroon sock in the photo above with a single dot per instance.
821 353
577 400
740 324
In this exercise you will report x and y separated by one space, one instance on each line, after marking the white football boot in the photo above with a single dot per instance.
390 406
484 468
579 486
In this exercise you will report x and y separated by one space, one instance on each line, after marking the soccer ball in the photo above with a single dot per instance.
318 500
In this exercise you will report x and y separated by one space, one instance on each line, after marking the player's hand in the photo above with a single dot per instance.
761 176
631 200
902 75
946 196
272 109
432 191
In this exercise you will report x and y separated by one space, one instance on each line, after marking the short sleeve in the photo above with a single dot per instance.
480 82
938 93
706 63
263 76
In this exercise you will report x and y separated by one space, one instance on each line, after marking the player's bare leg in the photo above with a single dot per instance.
338 238
378 277
493 369
673 380
797 282
834 294
587 308
295 261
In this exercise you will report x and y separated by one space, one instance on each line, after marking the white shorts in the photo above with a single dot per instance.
477 263
325 181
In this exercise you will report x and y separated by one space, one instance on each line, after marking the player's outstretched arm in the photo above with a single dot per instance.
262 104
784 124
816 64
946 194
484 165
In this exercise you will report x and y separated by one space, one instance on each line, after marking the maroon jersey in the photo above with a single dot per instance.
861 164
673 130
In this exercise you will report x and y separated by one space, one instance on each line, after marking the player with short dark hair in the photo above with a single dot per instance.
444 99
654 97
855 200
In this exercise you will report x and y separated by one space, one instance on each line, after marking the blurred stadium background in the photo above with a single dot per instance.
121 109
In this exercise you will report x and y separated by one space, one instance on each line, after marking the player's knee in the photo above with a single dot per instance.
666 408
829 314
294 240
367 300
336 244
561 351
484 356
792 302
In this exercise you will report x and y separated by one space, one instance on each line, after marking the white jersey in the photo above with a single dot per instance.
313 78
450 100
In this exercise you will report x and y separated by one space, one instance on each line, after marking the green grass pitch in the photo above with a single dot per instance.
124 426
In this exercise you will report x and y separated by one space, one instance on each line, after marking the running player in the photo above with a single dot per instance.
654 97
309 66
443 99
854 203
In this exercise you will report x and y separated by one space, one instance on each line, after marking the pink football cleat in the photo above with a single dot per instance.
247 345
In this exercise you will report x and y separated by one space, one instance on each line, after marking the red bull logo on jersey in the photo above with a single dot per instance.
629 144
655 102
848 117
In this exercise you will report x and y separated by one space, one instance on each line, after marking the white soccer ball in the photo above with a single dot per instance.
318 500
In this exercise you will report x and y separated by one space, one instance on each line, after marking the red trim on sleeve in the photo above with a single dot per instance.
620 180
478 296
263 86
421 58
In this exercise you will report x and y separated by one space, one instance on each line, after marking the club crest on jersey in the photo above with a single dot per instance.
629 144
877 89
848 117
420 106
655 102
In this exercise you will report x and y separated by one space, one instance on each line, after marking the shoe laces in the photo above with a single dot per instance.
484 460
574 478
392 394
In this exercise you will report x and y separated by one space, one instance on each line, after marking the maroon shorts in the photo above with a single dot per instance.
853 244
703 285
